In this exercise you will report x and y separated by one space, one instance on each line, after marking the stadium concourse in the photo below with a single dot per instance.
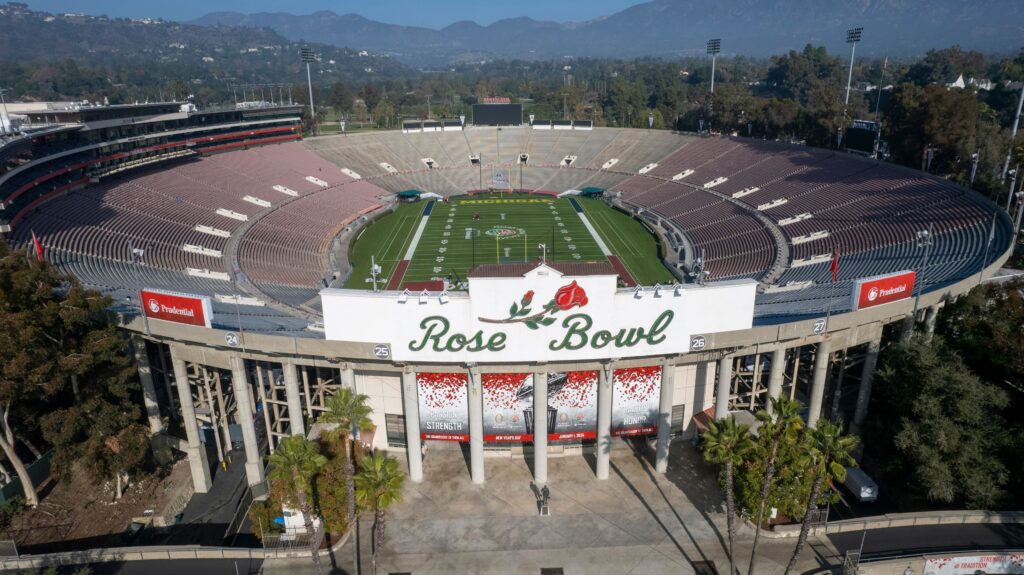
255 231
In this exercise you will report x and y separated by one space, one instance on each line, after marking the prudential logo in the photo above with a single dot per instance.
873 294
154 306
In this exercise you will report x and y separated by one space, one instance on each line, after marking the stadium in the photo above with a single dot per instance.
623 282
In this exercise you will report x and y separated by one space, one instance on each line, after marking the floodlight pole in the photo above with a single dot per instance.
308 57
852 38
309 83
924 240
1013 133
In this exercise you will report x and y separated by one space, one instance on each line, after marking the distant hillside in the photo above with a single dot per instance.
673 27
230 54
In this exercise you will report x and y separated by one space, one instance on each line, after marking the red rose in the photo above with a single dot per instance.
528 297
570 296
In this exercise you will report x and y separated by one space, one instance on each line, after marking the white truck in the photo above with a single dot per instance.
860 485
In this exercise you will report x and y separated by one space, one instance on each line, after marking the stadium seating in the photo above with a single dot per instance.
752 208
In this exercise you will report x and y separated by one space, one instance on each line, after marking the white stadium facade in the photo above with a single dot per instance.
222 238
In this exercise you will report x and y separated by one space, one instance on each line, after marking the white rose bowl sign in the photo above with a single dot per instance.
542 315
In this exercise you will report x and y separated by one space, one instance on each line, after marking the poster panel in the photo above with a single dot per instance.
444 406
572 405
636 392
508 406
971 564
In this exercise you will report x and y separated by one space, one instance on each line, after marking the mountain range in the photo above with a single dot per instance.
670 28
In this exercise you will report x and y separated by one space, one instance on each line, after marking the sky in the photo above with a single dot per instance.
429 13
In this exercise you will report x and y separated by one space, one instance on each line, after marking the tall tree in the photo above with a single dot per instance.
782 424
379 486
937 430
351 413
29 362
831 451
295 462
727 443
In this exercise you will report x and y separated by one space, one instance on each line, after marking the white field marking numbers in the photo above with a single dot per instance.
469 233
437 269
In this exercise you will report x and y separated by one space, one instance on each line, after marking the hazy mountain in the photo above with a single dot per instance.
238 54
673 27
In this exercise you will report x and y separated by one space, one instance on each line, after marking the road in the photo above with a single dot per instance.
897 541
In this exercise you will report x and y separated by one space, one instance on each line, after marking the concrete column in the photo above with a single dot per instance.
668 381
197 461
348 377
240 384
867 377
476 427
821 361
291 390
540 427
775 375
724 388
411 407
604 420
149 399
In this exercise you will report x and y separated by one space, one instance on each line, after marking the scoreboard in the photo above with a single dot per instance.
497 114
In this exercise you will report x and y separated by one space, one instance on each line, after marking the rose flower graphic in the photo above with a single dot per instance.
566 298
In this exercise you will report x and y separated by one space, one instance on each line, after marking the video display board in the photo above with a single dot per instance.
497 114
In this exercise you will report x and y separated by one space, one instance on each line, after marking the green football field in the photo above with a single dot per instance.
474 230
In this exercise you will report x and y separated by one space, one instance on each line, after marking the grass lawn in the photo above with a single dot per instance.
630 240
506 228
386 239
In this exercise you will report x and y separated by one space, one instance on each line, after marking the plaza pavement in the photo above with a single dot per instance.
635 522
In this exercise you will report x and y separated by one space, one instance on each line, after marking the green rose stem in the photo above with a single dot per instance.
542 313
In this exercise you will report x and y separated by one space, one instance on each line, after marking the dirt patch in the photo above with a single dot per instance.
79 513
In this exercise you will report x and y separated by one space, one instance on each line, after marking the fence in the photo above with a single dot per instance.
38 471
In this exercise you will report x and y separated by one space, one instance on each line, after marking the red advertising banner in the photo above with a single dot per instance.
444 406
572 405
636 393
176 307
508 407
869 292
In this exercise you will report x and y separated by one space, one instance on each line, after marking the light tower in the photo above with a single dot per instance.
714 47
308 57
852 38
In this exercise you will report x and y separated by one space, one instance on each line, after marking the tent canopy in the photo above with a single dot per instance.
592 191
409 194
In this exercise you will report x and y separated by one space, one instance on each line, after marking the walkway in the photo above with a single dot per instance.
635 522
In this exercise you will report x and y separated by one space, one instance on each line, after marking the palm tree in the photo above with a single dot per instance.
782 423
726 443
295 463
349 410
378 486
831 453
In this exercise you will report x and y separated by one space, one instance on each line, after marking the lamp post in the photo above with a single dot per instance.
308 57
925 238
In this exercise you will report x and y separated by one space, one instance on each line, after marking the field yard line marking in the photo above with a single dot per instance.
594 234
626 244
416 238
